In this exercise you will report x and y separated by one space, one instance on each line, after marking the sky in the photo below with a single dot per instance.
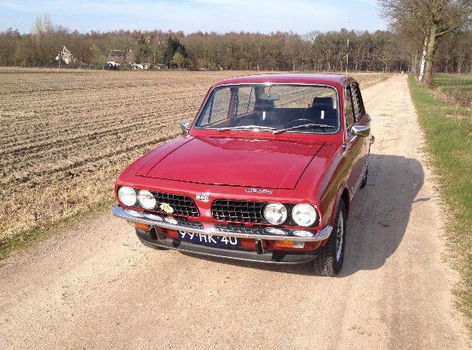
264 16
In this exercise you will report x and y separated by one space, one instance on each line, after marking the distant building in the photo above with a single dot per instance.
137 66
118 58
65 56
159 66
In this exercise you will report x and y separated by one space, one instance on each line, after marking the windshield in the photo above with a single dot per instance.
274 108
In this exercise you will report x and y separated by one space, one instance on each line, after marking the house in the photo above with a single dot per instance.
118 58
65 56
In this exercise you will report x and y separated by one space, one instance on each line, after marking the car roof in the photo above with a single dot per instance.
290 78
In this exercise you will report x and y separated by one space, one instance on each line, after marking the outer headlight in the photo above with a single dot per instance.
146 199
304 214
275 213
127 196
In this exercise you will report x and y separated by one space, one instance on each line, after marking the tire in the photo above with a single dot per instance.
364 179
329 260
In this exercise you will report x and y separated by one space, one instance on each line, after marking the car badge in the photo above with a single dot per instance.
258 190
166 208
204 197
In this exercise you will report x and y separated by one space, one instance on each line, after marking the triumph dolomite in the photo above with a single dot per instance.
266 172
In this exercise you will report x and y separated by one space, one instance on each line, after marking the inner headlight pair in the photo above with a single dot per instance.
129 197
302 214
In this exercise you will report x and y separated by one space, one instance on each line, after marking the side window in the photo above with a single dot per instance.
348 109
358 105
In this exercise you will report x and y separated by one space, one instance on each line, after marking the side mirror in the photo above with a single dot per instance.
361 130
184 126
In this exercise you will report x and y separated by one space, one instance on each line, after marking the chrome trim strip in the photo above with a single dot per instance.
211 229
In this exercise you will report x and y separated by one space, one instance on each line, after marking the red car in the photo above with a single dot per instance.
266 172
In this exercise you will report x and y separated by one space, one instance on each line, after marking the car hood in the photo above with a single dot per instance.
274 164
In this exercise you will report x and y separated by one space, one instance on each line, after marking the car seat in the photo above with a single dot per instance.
322 111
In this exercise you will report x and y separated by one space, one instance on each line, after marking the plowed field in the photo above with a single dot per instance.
66 134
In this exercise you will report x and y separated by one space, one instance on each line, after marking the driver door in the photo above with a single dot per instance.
354 146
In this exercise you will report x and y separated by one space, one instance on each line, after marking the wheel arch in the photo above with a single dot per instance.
343 195
347 202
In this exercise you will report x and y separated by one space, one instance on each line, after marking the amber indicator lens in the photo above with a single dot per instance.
288 244
142 227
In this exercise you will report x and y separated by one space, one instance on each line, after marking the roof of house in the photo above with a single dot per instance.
120 56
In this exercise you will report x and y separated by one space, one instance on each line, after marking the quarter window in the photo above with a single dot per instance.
358 105
348 109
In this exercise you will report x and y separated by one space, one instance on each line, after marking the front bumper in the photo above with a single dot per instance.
227 230
258 233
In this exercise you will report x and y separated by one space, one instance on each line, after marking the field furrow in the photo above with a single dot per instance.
66 134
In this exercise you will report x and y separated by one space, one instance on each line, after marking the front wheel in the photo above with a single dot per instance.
330 258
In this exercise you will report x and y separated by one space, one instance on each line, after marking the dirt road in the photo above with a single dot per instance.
95 286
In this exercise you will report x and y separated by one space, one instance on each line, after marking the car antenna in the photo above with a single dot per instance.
347 56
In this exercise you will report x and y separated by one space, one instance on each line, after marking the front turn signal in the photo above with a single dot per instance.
288 244
141 226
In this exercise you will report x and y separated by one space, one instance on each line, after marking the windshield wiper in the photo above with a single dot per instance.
247 127
306 126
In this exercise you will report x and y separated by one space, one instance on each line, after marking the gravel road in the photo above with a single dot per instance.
96 286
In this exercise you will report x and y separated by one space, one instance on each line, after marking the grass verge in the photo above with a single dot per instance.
448 130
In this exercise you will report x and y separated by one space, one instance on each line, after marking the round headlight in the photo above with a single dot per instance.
304 214
127 196
146 199
275 213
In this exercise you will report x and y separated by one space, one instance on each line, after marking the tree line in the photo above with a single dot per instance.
385 51
435 33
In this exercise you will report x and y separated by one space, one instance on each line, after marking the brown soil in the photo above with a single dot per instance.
96 286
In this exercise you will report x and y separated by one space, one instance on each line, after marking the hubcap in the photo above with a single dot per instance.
339 236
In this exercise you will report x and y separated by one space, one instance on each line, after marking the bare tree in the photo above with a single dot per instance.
368 51
426 22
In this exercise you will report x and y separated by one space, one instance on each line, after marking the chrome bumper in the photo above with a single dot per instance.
228 230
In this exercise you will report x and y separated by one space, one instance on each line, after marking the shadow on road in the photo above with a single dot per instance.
378 219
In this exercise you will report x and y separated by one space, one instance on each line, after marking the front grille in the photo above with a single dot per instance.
182 205
239 211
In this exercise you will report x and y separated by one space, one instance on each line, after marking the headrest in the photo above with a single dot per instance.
264 105
324 103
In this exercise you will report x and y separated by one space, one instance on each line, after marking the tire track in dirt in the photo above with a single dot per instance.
96 286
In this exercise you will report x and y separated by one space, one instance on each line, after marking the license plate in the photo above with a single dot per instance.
210 240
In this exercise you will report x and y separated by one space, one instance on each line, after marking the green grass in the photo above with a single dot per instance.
448 130
456 86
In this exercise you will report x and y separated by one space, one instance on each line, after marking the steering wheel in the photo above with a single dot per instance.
299 122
